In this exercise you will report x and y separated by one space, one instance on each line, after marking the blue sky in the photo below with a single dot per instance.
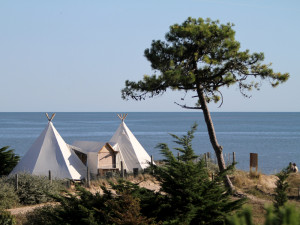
73 55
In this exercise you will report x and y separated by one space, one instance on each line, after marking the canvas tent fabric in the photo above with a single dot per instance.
135 156
50 152
92 148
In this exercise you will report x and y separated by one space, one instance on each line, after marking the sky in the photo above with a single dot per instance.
74 56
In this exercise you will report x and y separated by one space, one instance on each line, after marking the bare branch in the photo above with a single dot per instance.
221 99
187 107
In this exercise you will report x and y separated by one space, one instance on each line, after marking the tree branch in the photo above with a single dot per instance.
187 107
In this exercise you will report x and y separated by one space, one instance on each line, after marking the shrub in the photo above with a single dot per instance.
188 195
149 201
42 216
286 215
8 196
125 209
281 188
8 160
6 218
36 189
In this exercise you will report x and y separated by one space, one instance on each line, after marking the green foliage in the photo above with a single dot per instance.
8 196
201 55
281 188
241 218
188 195
35 189
287 215
6 218
125 209
8 160
41 216
82 207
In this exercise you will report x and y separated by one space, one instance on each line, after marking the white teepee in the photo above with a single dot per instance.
50 152
135 156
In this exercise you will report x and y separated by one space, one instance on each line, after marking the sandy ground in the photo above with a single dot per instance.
26 209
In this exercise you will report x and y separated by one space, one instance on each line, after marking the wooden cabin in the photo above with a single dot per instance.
99 157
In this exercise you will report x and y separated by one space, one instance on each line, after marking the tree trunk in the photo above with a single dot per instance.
212 136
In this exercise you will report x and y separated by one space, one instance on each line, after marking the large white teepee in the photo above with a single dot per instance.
135 156
50 152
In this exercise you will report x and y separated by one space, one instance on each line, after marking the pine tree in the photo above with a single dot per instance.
8 160
189 196
200 57
281 188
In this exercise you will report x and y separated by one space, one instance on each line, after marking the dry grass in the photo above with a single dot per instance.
257 184
260 189
143 180
294 185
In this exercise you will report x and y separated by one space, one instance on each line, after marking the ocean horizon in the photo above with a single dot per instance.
275 136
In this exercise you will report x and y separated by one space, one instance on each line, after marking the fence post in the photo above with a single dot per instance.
135 172
88 179
152 164
17 182
178 155
122 169
233 158
68 184
50 176
253 161
208 155
206 160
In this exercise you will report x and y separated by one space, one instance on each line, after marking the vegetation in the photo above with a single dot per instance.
31 190
83 207
187 196
6 218
202 56
36 189
8 196
287 215
8 160
125 209
281 188
191 197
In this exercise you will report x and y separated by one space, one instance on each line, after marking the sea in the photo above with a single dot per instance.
275 137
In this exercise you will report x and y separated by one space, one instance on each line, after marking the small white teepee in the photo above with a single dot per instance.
50 152
133 153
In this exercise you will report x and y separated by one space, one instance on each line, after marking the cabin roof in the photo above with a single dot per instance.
92 146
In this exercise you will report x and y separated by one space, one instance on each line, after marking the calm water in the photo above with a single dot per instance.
274 136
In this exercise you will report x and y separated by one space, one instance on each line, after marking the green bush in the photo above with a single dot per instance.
42 216
86 208
6 218
8 196
36 189
188 194
281 188
8 160
82 207
286 215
